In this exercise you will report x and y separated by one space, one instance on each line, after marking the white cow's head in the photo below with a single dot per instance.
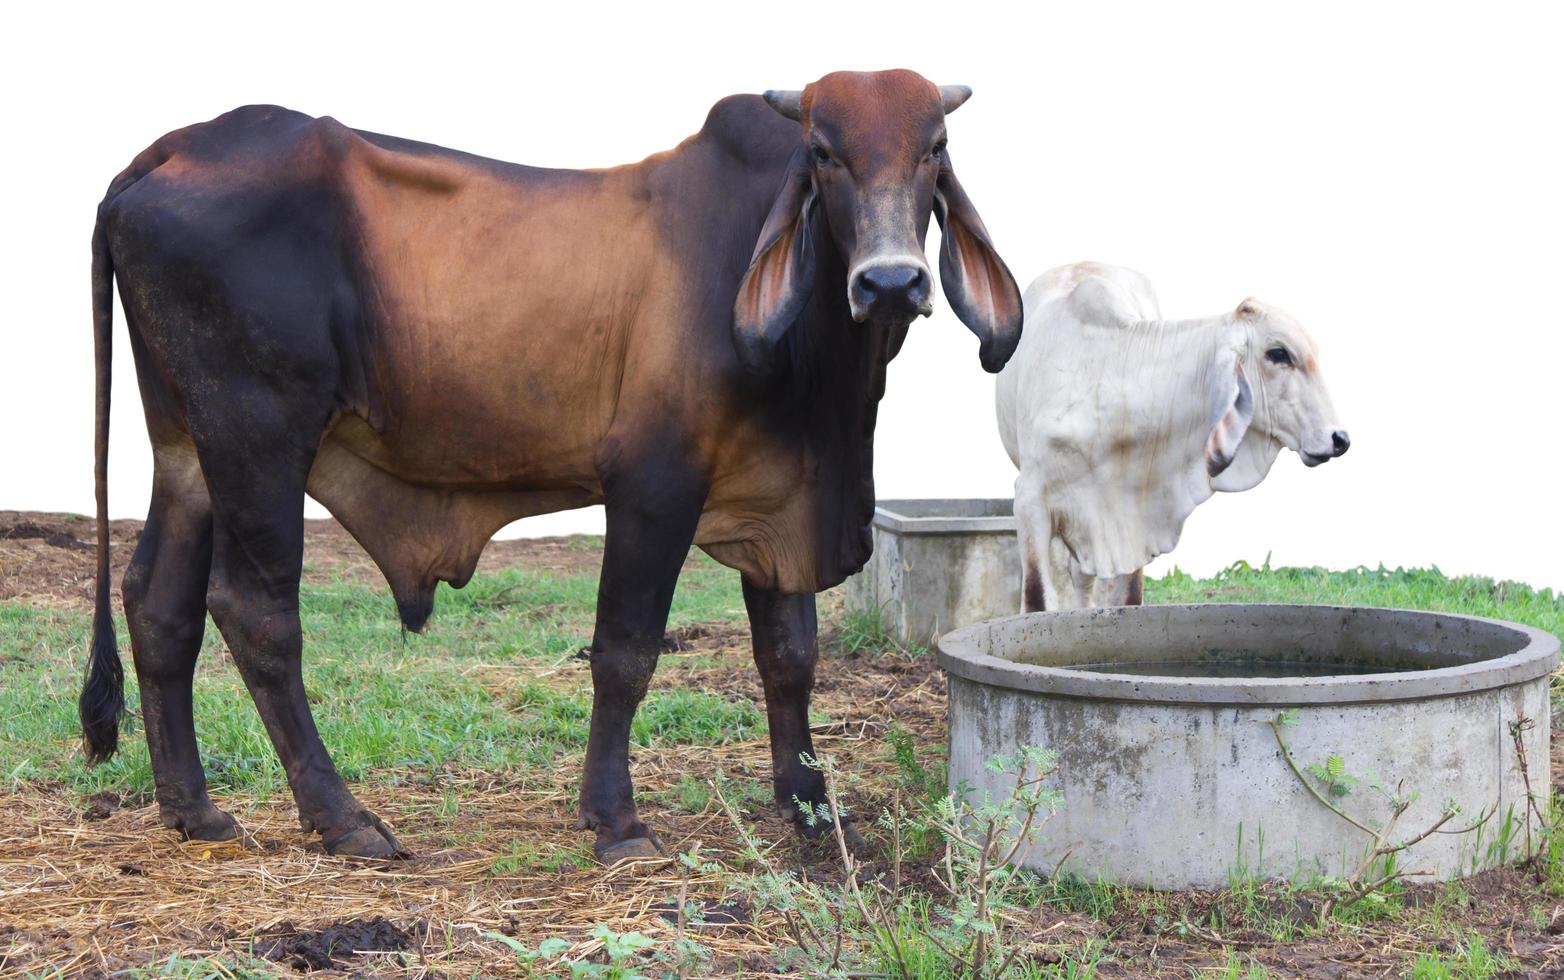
1268 393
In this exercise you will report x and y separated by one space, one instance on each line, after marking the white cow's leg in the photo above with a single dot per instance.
1032 537
1098 590
1084 585
1121 590
1110 591
1062 586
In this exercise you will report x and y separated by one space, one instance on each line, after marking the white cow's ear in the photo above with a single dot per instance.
1232 409
1256 453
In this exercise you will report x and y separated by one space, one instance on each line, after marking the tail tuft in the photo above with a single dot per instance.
103 695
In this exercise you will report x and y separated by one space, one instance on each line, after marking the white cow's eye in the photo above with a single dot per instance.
1279 355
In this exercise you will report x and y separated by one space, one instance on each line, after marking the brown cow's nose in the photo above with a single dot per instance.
891 290
1339 442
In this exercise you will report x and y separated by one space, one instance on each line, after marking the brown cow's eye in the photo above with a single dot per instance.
822 155
1279 355
938 150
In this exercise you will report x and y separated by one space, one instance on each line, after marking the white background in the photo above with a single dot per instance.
1391 176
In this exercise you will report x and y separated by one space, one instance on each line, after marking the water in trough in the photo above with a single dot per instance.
1246 667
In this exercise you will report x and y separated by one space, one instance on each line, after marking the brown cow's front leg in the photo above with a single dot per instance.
784 632
651 517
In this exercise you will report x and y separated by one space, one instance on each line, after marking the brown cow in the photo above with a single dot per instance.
433 345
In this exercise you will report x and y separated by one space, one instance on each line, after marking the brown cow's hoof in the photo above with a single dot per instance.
633 849
371 839
204 823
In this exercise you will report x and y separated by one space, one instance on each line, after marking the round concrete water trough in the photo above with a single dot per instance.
1172 774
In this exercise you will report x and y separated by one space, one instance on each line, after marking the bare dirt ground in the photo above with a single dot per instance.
87 889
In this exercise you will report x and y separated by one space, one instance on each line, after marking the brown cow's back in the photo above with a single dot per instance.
503 306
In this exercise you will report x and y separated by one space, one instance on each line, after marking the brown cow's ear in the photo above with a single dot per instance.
979 286
781 272
1232 410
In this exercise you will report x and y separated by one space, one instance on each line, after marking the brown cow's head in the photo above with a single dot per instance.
873 159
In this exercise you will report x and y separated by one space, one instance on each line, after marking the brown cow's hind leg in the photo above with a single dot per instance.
257 486
165 609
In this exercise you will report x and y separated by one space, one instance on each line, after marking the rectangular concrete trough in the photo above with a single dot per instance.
939 565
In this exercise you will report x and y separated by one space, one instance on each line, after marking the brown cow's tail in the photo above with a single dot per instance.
103 695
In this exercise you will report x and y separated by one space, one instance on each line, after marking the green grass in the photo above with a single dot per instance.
1402 588
523 856
678 717
1470 960
200 968
863 631
1551 860
1240 967
693 794
387 702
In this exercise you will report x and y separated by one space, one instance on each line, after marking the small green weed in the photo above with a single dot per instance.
693 794
178 967
1470 960
920 785
882 925
863 631
625 953
1240 967
521 857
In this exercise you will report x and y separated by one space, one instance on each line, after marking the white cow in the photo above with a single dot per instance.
1122 423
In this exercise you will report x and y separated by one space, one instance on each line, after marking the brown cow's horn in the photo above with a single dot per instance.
951 95
789 103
